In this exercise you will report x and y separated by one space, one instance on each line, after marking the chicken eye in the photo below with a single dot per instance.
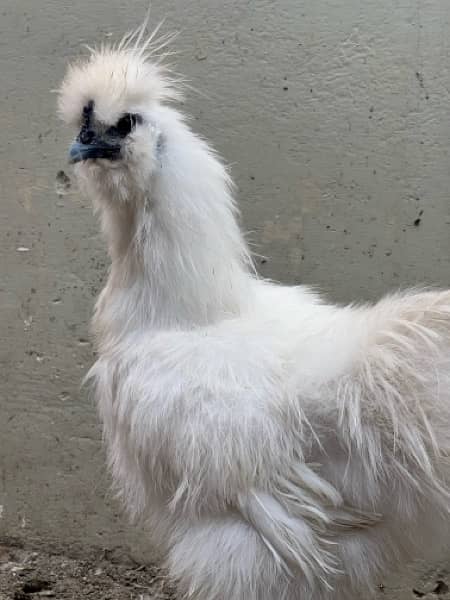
124 125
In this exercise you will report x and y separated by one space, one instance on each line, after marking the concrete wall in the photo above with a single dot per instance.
334 114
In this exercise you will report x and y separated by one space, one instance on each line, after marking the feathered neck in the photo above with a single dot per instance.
178 258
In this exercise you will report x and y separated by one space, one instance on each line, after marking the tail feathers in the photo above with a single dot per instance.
397 398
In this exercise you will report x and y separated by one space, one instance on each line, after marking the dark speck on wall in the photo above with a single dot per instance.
63 179
419 78
418 220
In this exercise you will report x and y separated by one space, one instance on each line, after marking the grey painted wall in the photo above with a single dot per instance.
334 115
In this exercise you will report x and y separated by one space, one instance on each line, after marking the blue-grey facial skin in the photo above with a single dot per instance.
91 144
97 148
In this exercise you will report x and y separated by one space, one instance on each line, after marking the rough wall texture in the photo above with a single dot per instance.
334 115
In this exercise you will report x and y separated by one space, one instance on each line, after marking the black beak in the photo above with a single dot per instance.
94 149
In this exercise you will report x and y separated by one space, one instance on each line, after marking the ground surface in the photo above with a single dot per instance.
30 575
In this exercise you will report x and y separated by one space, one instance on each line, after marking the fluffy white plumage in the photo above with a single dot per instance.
279 447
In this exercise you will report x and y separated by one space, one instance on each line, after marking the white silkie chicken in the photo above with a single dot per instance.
278 447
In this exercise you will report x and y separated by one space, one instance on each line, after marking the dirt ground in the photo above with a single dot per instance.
31 575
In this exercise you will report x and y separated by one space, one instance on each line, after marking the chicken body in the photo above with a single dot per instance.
276 446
